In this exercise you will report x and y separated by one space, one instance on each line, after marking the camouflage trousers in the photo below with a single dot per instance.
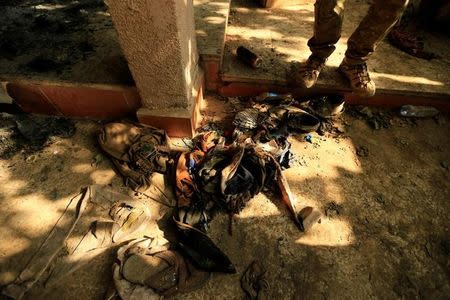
381 17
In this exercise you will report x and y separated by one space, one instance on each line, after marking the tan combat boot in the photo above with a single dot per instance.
308 74
359 78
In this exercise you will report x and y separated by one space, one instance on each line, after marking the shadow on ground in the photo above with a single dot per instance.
383 234
60 40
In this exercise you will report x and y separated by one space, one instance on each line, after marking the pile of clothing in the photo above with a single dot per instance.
214 175
277 116
145 268
217 174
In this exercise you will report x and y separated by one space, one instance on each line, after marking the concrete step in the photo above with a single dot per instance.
211 19
102 62
282 3
96 83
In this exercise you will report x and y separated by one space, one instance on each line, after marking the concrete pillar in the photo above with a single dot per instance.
159 43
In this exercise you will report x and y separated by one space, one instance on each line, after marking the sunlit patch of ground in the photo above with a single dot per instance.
383 231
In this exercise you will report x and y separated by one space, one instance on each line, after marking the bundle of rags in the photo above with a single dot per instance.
213 176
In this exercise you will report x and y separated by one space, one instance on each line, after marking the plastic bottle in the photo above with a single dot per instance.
418 111
274 97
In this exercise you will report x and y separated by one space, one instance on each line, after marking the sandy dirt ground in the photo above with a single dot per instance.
384 196
60 40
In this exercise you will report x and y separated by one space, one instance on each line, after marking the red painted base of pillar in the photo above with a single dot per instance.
176 122
100 102
104 102
211 67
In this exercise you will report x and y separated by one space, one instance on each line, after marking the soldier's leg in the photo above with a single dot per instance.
382 16
328 17
327 31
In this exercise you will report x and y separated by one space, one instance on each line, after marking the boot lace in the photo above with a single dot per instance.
361 75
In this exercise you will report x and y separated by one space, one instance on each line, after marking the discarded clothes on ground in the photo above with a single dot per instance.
215 175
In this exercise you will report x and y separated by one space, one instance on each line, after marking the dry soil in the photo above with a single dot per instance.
384 196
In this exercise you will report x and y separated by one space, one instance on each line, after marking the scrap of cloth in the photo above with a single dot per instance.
50 247
212 176
118 218
254 282
409 42
136 151
147 269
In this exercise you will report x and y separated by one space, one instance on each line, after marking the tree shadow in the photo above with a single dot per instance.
382 233
370 245
60 40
